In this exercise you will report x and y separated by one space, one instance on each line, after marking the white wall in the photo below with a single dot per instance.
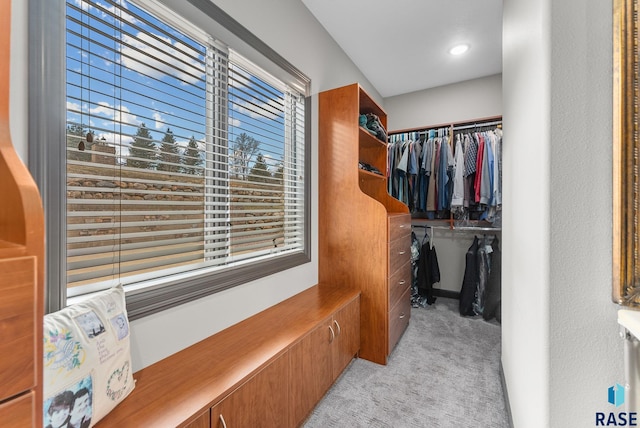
585 350
458 102
526 210
312 51
560 346
18 91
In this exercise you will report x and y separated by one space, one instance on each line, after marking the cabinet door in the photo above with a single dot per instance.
346 324
311 371
203 421
262 402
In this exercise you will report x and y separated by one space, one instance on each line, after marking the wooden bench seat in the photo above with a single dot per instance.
181 389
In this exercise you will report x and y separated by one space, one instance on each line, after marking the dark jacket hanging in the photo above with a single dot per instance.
470 280
494 284
428 272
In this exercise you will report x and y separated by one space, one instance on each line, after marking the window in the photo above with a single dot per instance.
184 165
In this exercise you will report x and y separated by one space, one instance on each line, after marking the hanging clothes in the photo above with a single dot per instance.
479 161
457 198
428 272
470 280
447 175
484 266
493 291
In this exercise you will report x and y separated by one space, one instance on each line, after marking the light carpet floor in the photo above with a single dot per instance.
444 372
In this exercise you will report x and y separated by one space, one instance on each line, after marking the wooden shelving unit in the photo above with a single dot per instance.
21 268
364 233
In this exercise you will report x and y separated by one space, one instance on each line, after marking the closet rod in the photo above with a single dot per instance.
455 128
460 228
448 125
477 125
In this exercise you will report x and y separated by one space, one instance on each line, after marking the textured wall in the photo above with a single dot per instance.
560 346
458 102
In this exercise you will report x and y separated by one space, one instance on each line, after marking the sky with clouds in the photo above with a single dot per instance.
137 70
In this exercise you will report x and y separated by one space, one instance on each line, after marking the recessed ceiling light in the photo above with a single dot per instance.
459 49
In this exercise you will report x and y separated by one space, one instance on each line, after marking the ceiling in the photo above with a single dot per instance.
403 46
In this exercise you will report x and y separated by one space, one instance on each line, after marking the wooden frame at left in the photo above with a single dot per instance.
626 155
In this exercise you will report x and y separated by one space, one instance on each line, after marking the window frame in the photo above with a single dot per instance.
47 158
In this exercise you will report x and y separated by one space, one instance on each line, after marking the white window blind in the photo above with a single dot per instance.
183 157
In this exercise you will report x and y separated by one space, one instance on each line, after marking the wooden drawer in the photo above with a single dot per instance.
399 282
17 326
399 253
19 411
399 226
399 319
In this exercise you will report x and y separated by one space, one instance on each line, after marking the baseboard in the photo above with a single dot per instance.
505 392
438 292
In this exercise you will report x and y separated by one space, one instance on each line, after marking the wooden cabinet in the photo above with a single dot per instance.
262 401
346 328
268 370
311 371
202 421
364 233
318 359
399 277
21 269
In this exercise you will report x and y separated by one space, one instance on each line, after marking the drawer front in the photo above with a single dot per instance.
399 282
399 226
19 412
17 326
399 253
399 319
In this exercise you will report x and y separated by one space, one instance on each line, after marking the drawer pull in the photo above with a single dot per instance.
401 252
402 315
337 327
402 281
333 335
402 226
224 424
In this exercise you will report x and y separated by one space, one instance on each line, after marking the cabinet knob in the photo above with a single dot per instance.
224 424
402 315
401 252
333 335
402 281
337 327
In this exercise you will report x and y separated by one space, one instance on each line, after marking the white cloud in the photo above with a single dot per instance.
160 122
157 57
75 107
259 110
119 114
271 162
119 10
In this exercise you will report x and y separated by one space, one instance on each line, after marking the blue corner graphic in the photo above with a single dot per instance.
616 395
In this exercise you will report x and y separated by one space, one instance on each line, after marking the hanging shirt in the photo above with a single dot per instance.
457 199
497 183
487 170
470 155
431 199
479 160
